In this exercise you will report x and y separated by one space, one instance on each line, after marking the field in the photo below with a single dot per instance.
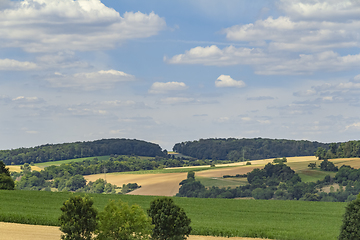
224 217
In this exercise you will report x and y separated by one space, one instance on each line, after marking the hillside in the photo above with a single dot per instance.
56 152
251 149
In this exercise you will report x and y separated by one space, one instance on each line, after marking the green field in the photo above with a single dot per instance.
222 182
288 220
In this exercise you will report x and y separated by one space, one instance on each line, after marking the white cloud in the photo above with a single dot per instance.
27 100
285 34
161 87
267 63
212 55
227 81
103 79
354 126
321 9
14 65
43 25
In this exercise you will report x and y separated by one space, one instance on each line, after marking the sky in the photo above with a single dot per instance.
181 70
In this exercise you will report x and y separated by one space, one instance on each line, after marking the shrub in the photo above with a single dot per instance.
121 222
6 181
350 228
78 218
171 222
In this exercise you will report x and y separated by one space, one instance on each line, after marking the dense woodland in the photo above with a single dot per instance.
247 149
278 181
56 152
339 150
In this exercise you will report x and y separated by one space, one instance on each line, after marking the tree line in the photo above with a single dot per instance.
339 150
104 147
247 149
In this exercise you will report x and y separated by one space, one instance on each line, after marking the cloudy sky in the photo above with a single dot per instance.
171 71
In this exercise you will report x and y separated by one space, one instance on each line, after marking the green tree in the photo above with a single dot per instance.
6 181
312 165
26 168
350 229
121 222
78 218
171 222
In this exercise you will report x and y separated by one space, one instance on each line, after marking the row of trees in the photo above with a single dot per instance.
165 221
104 147
243 149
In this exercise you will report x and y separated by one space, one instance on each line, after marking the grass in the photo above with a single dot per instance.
286 220
222 182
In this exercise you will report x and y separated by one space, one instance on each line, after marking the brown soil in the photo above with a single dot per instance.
14 231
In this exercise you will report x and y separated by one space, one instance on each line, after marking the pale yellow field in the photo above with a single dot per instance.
161 184
167 184
14 231
16 168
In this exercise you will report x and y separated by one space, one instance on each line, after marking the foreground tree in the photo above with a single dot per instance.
78 218
121 222
350 229
6 181
171 222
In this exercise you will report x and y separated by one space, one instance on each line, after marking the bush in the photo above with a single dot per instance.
171 222
350 228
78 218
6 181
121 222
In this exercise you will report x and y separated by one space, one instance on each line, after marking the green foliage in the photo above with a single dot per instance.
350 228
55 152
248 163
326 165
6 181
170 221
257 148
286 220
312 165
280 160
118 221
129 187
78 218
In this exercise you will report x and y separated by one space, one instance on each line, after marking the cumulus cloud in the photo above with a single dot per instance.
163 87
14 65
266 63
227 81
103 79
321 9
300 42
43 25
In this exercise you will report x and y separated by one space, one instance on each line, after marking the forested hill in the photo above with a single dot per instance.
55 152
256 148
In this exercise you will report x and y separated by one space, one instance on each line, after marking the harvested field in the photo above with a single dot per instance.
160 184
167 184
14 231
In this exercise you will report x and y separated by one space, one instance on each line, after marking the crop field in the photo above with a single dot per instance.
287 220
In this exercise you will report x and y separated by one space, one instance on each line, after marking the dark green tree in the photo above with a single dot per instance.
78 218
170 221
312 165
350 229
6 181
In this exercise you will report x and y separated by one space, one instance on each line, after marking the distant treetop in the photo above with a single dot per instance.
103 147
247 149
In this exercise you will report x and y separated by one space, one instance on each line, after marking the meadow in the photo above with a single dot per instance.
287 220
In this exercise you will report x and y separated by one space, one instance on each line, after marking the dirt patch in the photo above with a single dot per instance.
14 231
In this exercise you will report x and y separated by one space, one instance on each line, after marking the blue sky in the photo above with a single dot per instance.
172 71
